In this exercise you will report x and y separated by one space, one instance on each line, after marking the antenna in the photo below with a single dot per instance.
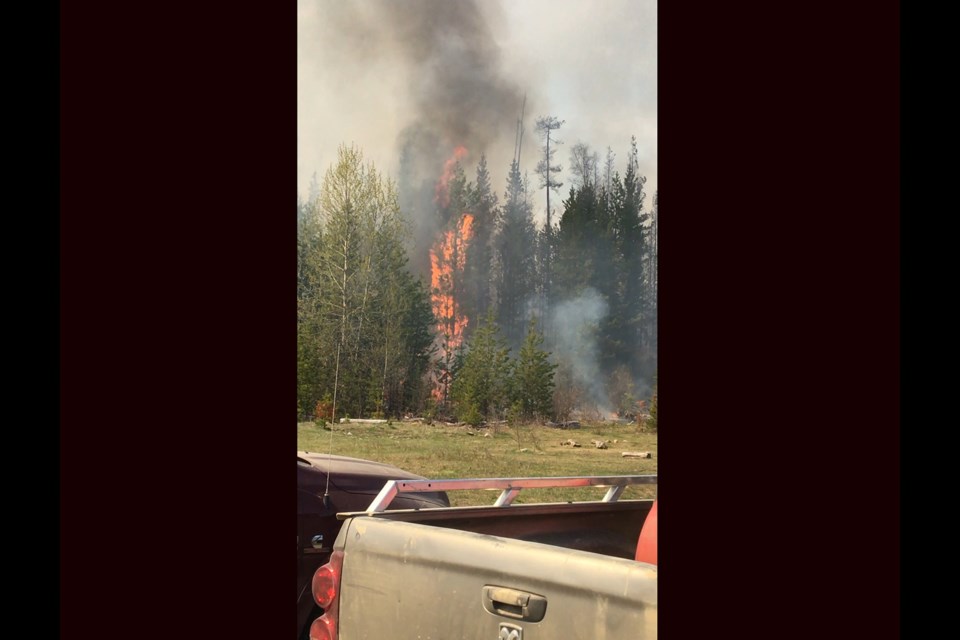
333 418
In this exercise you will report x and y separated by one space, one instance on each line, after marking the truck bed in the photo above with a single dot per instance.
525 572
600 527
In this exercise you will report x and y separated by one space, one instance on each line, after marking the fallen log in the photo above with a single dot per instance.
637 454
362 421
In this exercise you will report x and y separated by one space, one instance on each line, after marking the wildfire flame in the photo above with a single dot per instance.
447 260
442 189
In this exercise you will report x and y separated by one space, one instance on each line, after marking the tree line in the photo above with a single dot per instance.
559 318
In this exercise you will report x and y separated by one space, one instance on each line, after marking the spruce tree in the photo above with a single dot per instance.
532 380
482 376
479 262
515 248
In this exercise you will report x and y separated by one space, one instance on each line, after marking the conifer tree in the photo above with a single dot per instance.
532 381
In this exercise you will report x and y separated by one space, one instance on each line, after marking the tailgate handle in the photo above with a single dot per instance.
511 603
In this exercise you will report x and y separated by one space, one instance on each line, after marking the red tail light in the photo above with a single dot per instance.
647 542
326 589
323 628
325 585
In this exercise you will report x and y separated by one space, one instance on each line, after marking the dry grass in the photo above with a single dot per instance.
443 451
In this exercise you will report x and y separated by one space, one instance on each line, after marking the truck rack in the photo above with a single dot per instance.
509 487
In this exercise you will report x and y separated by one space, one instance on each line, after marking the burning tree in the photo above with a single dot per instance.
448 259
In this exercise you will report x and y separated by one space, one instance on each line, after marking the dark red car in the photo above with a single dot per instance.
353 484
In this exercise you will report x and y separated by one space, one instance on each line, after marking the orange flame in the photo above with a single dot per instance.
447 260
442 189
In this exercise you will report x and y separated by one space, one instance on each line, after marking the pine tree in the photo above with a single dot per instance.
634 297
576 251
515 254
482 376
532 380
479 262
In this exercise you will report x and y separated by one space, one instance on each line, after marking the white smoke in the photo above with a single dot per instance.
574 326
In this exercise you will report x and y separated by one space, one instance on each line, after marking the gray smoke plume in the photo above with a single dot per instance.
574 325
447 85
425 76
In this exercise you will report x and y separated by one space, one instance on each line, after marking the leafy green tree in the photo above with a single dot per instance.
532 380
312 375
364 323
351 201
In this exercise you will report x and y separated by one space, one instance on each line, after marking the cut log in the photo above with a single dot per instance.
637 454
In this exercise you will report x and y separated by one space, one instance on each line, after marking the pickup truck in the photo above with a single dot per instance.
327 484
509 571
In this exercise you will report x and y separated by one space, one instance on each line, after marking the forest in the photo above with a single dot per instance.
441 298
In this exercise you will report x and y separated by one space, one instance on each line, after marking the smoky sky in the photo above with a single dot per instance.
427 75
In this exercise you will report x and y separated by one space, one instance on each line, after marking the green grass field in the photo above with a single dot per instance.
443 451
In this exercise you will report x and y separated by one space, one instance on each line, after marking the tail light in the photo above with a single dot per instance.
647 542
326 592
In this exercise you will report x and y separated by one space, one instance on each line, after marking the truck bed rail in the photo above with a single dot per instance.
509 487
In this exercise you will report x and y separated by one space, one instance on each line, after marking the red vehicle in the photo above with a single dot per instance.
327 484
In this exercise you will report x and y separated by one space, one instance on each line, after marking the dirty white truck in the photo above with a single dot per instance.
509 571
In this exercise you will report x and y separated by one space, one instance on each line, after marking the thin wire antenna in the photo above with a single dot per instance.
333 417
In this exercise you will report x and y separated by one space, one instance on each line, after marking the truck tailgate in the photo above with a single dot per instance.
404 580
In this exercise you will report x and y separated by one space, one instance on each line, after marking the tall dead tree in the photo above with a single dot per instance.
546 125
